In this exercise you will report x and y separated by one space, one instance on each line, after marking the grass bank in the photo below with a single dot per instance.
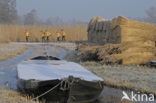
10 96
132 77
8 50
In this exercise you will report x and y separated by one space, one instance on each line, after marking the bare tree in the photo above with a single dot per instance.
13 11
49 21
31 18
8 12
151 15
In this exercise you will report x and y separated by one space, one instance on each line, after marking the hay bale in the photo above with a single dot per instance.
98 25
91 23
122 21
104 53
138 40
99 18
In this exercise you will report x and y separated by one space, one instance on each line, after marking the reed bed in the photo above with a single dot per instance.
16 33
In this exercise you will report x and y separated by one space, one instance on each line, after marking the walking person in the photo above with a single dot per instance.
48 34
27 36
58 36
63 35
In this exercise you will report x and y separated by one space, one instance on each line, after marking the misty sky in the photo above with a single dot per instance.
85 9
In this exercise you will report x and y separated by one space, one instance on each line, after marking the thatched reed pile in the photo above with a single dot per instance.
137 38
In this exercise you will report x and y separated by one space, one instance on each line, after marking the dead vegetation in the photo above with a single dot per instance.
16 33
137 39
107 53
131 77
11 96
134 77
8 50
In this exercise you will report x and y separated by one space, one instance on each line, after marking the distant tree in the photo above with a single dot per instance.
151 15
49 21
8 12
13 11
57 21
31 18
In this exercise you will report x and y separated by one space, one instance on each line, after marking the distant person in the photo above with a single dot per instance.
63 35
27 36
58 36
48 34
43 36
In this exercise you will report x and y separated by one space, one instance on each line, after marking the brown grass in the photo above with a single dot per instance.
128 77
10 96
8 51
10 33
131 77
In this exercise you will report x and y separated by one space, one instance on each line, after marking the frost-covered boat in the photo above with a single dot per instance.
72 82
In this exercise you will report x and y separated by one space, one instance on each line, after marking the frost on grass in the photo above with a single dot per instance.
8 50
131 76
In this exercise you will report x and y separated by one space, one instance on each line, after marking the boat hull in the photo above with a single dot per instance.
79 91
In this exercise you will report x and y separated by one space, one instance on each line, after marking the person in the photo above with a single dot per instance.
27 36
63 35
58 36
43 36
47 35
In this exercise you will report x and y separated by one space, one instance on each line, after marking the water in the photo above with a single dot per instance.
8 72
8 69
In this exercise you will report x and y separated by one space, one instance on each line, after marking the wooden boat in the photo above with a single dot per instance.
74 83
152 63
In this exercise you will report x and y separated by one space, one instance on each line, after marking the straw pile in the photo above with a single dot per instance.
106 54
137 38
102 31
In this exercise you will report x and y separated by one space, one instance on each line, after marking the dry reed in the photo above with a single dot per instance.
13 33
137 39
11 96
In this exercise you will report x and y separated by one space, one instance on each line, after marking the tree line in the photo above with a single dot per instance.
8 12
9 15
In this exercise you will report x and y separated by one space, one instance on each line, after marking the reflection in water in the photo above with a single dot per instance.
112 95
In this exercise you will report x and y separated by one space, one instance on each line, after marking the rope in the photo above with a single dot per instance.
47 91
65 85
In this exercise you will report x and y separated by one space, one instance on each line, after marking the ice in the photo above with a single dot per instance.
51 70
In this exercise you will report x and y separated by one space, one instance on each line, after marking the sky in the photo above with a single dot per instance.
84 10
